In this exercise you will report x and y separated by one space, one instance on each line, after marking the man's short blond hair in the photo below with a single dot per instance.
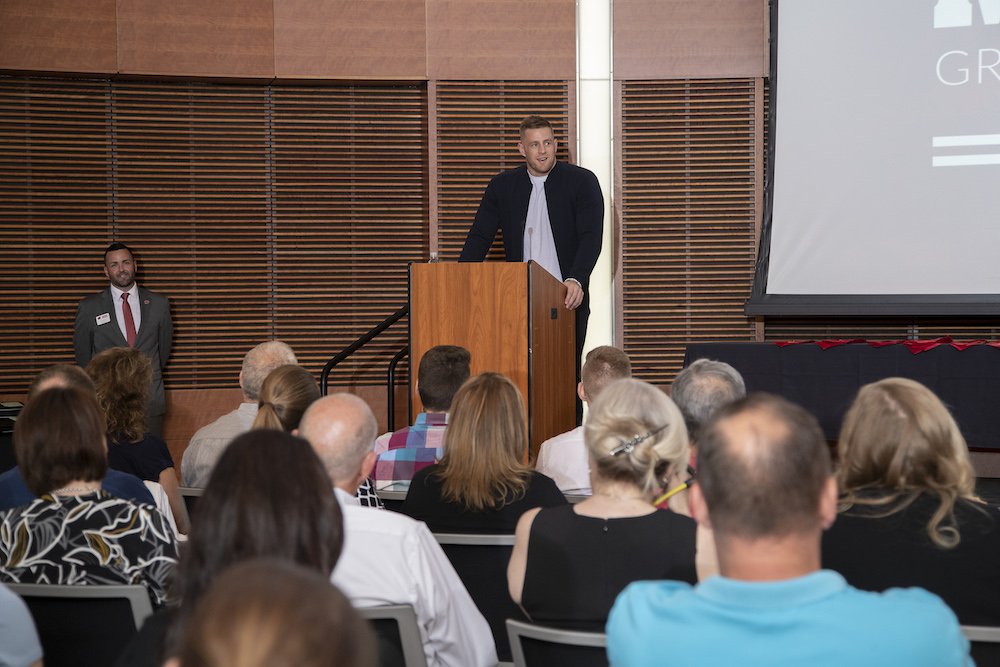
604 365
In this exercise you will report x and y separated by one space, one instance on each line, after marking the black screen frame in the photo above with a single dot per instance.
763 304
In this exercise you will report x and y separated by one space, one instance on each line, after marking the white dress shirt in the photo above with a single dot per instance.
388 558
133 301
565 459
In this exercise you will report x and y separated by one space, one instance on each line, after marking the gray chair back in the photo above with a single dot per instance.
399 642
85 625
481 563
536 646
985 643
189 495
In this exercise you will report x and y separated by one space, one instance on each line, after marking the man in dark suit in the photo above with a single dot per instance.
126 315
549 211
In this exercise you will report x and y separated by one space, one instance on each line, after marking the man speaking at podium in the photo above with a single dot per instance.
551 212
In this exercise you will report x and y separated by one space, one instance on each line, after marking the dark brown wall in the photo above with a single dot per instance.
689 39
293 39
324 39
224 38
58 36
501 39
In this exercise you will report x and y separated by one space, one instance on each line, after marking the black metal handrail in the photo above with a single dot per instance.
324 377
391 382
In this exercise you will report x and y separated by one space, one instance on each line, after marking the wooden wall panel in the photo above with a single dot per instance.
686 39
501 39
58 36
342 39
221 38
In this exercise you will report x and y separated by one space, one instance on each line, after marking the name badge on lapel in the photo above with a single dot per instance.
103 318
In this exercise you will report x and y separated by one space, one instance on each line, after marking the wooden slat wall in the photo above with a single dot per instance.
687 214
351 212
55 204
477 134
260 211
191 188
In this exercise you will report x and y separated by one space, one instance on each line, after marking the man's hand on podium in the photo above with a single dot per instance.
574 293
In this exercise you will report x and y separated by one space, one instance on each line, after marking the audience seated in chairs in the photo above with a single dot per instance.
284 397
75 533
14 492
268 496
123 376
571 562
274 613
481 483
701 389
908 514
442 371
564 458
765 487
389 558
286 393
208 442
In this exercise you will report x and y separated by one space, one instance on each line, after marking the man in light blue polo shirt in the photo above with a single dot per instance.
764 487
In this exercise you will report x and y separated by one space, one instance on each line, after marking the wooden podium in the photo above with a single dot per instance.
511 318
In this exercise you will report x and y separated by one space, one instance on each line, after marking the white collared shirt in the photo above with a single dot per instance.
539 244
565 459
133 301
389 558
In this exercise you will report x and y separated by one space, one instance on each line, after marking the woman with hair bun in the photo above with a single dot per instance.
284 396
909 515
570 563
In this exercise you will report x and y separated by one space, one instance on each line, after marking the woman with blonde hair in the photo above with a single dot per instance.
122 376
481 483
284 396
909 515
570 563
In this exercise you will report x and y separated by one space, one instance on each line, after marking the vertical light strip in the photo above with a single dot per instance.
594 148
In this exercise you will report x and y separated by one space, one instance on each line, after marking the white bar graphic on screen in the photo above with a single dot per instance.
965 160
967 140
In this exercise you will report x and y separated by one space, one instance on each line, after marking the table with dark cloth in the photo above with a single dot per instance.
825 379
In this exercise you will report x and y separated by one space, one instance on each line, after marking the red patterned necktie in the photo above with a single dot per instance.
129 320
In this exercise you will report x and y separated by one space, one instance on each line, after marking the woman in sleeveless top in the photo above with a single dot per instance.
570 563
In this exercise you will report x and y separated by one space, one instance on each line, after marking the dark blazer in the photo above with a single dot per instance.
576 213
153 337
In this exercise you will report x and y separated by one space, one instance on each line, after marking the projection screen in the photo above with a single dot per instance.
883 187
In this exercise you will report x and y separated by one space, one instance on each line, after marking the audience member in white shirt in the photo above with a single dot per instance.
389 558
564 458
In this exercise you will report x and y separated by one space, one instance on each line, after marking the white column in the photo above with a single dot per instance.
594 148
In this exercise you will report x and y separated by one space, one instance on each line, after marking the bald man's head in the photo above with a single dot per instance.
61 375
341 429
762 466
